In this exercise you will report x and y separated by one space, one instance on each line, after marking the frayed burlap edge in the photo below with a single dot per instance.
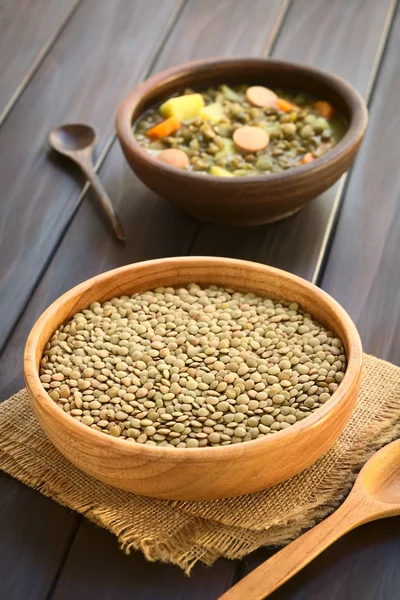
181 536
19 465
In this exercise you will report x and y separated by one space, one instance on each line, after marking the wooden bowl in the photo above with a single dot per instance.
198 473
243 200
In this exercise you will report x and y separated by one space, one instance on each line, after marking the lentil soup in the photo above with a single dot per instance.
239 131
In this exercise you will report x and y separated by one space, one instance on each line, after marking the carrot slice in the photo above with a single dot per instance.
307 158
324 108
285 105
164 128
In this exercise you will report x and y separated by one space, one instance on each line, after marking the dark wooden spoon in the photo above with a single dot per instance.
77 140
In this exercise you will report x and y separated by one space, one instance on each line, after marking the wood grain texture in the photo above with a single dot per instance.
225 28
363 564
27 30
38 198
362 269
154 229
35 536
362 273
97 569
346 38
375 495
203 473
252 200
55 197
31 562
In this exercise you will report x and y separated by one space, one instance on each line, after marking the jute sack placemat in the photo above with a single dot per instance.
186 532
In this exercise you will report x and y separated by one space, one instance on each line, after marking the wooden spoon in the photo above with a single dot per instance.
375 495
77 140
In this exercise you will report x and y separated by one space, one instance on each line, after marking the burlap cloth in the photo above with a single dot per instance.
186 532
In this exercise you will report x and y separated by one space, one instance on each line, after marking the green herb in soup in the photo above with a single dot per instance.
239 131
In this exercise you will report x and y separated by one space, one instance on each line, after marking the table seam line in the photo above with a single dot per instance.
340 197
38 61
98 164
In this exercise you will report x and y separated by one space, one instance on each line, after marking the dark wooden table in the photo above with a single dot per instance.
65 60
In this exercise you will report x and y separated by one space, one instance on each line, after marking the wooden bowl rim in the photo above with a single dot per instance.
352 374
355 131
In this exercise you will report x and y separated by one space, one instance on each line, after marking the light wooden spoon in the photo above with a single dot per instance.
77 140
375 495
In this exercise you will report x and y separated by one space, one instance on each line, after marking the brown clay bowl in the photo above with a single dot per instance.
243 200
199 473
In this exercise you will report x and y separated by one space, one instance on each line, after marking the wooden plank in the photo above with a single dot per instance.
154 228
35 536
362 271
96 568
87 73
27 31
347 39
363 564
202 30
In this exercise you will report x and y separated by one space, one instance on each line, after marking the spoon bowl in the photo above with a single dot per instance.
380 478
77 140
72 137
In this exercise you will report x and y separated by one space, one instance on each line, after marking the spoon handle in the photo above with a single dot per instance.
105 201
275 571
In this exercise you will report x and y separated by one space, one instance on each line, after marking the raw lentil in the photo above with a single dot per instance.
203 367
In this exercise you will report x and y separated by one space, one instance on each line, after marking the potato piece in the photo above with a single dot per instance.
213 112
220 172
183 108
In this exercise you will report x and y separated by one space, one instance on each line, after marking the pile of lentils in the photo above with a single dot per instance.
191 367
